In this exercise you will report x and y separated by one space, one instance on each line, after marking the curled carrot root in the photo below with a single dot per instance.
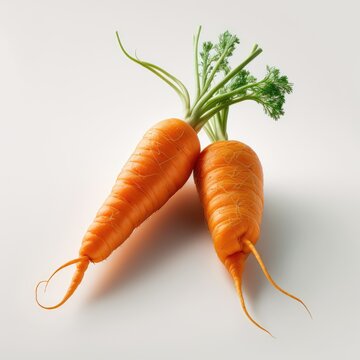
270 279
82 264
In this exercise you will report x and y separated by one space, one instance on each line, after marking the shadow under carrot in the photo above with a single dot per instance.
274 244
158 238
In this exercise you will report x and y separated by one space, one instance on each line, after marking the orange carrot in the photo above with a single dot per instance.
229 180
159 166
228 174
163 160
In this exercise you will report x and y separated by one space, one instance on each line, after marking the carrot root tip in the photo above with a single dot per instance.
236 271
270 279
82 264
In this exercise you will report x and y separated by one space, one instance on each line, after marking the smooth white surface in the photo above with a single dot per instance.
73 108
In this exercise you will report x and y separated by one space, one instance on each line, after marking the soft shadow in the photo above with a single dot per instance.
158 238
274 243
173 228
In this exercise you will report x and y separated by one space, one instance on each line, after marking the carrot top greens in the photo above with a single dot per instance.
218 86
269 92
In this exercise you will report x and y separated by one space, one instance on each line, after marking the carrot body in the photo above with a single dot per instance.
229 179
160 165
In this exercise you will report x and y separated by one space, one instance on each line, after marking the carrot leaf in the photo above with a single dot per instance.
218 85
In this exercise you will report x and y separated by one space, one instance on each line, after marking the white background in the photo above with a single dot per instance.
73 108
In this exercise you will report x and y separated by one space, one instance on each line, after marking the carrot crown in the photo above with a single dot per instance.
218 86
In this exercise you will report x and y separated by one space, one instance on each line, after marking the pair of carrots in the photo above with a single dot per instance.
228 174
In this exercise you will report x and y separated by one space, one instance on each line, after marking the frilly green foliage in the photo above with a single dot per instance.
218 85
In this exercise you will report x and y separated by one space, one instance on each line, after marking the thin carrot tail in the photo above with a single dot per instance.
82 264
270 279
236 270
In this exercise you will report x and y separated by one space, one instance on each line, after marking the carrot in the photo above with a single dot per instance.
160 165
229 177
229 180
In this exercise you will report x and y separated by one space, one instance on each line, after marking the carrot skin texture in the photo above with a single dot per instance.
160 165
229 180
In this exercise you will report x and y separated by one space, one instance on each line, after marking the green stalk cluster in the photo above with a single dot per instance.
218 86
